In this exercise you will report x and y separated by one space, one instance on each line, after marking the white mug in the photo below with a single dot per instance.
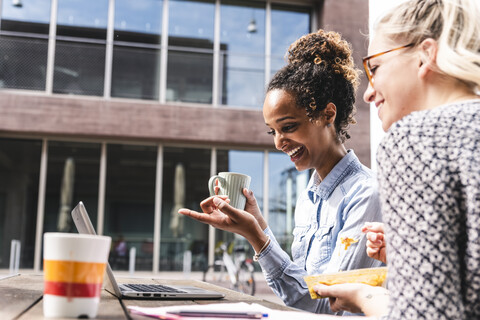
231 184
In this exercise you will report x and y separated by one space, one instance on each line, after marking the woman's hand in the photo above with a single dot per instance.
376 246
251 205
355 298
219 214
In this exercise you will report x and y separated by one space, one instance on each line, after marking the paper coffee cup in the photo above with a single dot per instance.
73 265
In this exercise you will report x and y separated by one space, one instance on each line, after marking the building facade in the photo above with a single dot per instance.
130 107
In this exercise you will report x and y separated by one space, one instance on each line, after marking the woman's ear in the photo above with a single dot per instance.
330 113
428 57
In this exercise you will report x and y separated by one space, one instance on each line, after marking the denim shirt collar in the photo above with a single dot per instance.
322 189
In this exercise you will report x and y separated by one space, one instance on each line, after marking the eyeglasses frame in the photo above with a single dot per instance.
366 60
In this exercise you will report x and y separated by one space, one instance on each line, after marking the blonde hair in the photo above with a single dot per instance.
454 24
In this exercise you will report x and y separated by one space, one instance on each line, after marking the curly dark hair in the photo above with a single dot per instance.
320 70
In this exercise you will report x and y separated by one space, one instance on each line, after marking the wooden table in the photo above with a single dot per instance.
21 298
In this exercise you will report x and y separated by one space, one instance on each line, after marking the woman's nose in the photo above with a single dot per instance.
279 141
369 94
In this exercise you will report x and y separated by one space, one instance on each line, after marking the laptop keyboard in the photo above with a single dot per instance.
152 288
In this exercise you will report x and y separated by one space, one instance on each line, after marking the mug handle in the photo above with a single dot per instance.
211 183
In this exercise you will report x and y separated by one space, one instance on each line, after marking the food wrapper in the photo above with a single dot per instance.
370 276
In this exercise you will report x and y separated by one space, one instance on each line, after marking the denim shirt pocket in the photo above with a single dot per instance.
322 246
299 245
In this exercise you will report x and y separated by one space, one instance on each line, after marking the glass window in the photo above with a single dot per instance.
136 50
130 203
23 63
185 176
28 16
190 59
285 183
82 19
191 23
135 72
19 174
138 21
80 58
288 24
242 63
246 162
190 76
72 176
79 68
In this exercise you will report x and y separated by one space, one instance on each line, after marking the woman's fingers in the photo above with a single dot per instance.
202 217
333 305
223 206
249 195
341 296
375 244
373 227
208 206
375 237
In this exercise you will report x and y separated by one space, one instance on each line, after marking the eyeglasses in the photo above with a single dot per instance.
366 61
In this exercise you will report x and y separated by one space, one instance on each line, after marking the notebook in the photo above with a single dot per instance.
139 291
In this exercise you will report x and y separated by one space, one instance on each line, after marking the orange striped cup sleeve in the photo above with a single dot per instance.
73 278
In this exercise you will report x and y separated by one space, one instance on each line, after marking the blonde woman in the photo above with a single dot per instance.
424 73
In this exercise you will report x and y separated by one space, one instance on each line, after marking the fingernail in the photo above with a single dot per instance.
217 201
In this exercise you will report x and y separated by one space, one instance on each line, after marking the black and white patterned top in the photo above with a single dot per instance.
429 179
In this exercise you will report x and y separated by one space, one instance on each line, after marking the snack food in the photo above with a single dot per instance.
347 241
370 276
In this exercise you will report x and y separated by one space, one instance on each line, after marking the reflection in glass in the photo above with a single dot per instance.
185 176
23 63
129 203
191 20
246 162
79 68
138 21
288 24
80 65
19 174
135 72
189 77
243 63
32 17
243 80
190 59
285 183
72 176
136 51
83 19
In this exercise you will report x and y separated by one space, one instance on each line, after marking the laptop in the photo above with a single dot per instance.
139 291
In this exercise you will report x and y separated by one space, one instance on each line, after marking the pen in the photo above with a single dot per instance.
219 314
168 316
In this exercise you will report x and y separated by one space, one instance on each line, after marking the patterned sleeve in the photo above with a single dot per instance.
421 215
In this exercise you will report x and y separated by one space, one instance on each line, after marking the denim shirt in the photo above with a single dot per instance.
326 210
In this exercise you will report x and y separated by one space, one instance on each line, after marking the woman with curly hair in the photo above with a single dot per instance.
308 107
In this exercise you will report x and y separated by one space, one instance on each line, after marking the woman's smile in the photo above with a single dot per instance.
296 153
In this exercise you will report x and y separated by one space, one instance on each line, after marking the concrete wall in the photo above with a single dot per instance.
98 118
350 18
